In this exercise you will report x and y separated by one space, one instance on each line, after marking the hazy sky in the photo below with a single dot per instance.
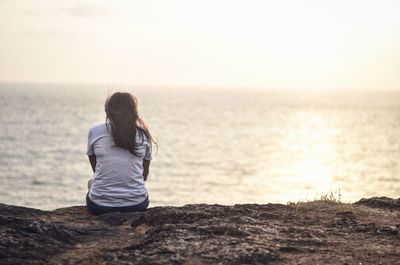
291 44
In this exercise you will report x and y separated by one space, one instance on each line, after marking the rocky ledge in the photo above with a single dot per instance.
319 232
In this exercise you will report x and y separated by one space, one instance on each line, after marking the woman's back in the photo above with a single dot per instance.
118 178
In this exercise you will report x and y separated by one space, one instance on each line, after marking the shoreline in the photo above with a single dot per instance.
315 232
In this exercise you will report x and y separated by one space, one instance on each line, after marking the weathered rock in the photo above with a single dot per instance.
304 233
381 202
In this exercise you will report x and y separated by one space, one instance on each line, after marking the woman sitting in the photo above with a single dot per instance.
119 152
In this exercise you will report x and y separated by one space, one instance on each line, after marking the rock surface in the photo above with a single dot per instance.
319 232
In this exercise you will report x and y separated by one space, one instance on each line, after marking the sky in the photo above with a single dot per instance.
260 44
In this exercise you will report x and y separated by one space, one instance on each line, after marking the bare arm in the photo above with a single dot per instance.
92 160
146 166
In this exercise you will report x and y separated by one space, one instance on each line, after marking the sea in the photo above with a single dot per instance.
215 146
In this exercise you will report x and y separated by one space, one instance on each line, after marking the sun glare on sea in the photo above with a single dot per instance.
306 162
314 150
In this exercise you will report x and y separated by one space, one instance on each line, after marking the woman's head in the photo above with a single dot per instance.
122 113
121 105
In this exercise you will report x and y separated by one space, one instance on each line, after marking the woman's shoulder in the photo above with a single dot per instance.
99 128
142 134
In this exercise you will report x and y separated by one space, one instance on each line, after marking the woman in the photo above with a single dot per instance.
119 152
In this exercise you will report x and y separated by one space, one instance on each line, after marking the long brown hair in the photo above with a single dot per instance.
123 117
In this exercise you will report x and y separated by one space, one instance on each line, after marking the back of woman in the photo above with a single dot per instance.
120 153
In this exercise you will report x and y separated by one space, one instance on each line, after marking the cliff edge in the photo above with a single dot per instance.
318 232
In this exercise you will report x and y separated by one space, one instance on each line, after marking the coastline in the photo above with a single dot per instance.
316 232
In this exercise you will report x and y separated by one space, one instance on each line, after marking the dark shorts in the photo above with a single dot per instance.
99 209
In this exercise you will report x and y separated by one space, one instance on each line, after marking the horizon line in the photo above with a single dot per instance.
197 87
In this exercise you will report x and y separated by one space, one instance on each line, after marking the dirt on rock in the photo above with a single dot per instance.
318 232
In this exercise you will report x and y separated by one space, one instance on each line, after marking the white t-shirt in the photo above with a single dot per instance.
118 178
